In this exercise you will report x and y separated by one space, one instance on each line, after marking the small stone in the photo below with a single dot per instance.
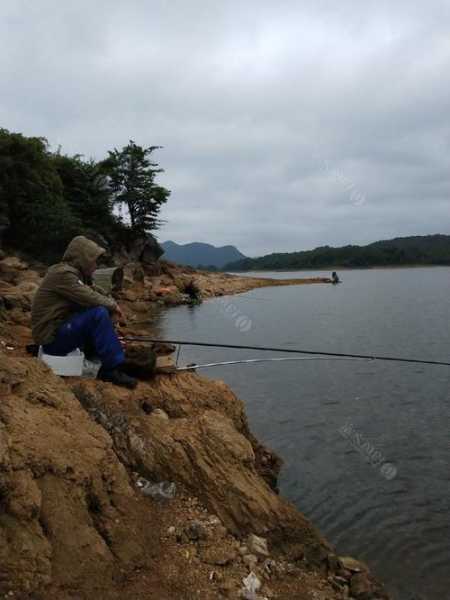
346 593
257 545
269 566
316 554
337 583
251 561
217 555
147 408
171 530
180 536
296 552
292 569
351 564
215 576
228 589
243 550
344 573
334 564
220 532
195 531
5 389
159 412
360 584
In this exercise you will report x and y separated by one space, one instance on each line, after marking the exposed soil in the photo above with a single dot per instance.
75 525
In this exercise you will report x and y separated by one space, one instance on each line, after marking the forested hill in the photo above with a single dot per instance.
198 254
416 250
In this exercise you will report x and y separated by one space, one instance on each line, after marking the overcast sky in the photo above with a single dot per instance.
285 125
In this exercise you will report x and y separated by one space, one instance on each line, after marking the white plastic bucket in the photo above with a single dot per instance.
70 365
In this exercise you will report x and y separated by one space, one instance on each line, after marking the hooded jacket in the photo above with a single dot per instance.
66 289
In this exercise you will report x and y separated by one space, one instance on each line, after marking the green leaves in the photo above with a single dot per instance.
132 183
33 195
86 191
49 198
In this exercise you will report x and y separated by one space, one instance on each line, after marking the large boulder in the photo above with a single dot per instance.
144 249
147 250
11 269
18 284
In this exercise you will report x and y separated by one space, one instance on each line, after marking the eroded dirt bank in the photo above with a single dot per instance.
74 524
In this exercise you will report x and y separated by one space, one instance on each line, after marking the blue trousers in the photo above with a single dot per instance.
91 328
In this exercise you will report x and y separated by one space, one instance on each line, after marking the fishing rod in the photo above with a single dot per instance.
194 366
136 338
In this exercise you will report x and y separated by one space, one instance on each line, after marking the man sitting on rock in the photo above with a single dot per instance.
69 312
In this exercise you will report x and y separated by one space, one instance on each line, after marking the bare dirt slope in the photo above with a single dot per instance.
75 525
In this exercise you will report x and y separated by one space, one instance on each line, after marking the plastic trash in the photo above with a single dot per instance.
251 587
163 490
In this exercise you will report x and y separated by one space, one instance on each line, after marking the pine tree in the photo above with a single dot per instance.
132 182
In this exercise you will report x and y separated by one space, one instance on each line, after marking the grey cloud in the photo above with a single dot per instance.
284 126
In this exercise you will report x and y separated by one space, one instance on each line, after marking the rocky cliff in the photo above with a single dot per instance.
75 521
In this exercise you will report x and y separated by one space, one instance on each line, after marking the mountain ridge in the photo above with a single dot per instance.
201 254
431 249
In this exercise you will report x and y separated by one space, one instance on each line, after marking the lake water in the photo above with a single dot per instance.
365 444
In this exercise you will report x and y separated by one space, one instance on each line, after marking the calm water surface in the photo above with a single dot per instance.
365 444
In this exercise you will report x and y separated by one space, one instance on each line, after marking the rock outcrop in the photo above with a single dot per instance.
144 249
68 513
204 445
72 520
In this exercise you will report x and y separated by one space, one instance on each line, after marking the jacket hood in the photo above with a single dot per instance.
81 253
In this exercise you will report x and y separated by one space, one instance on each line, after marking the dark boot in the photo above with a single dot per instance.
117 377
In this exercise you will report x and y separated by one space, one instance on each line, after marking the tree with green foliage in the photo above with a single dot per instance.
33 194
87 192
47 198
132 183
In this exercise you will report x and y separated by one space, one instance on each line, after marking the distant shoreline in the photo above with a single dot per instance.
410 251
338 268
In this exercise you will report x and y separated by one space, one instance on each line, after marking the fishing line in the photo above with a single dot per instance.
136 338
